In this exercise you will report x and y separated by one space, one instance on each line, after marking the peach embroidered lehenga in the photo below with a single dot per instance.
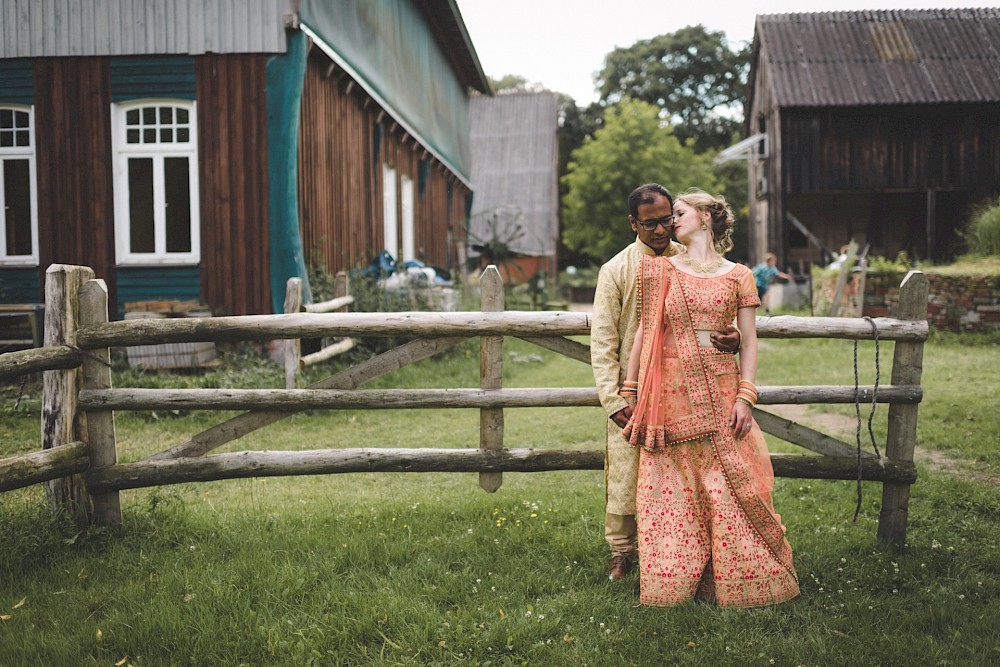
707 527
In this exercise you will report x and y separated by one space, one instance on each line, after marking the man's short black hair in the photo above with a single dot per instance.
647 194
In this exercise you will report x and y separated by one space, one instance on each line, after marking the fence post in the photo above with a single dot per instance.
491 373
293 346
341 286
59 388
901 437
99 426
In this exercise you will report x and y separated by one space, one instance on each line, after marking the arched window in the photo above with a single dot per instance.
156 182
18 197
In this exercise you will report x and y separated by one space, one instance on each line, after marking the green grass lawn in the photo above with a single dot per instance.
416 569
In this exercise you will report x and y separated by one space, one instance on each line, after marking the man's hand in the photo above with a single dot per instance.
727 340
622 416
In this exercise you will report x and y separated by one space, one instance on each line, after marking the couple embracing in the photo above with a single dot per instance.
688 475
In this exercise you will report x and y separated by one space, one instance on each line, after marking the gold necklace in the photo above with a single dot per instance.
711 266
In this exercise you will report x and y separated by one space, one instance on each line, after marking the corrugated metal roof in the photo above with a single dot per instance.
39 28
863 58
515 154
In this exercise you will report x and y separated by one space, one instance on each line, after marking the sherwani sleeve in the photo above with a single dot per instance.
605 340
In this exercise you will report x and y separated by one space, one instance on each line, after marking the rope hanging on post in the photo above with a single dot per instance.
871 413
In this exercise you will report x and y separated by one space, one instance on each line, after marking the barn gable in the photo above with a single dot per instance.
882 126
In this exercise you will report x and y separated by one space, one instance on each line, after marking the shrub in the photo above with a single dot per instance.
982 234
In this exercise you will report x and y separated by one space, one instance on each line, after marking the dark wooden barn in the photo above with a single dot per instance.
211 149
881 126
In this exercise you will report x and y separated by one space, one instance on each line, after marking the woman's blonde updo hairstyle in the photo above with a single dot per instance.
721 216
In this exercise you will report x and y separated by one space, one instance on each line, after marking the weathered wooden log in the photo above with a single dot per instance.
789 395
43 466
491 374
803 436
60 387
293 346
319 325
328 352
427 324
901 434
564 346
355 376
329 306
792 326
98 427
283 400
842 467
332 461
328 461
22 362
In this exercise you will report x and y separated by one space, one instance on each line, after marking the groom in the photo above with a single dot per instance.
615 321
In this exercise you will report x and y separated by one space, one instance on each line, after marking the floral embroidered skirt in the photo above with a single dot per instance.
697 539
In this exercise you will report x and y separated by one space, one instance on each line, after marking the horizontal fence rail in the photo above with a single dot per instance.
48 464
424 324
391 399
22 362
239 465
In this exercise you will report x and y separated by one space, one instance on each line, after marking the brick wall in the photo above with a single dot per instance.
955 302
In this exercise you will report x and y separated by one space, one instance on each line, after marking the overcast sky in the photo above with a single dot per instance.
562 43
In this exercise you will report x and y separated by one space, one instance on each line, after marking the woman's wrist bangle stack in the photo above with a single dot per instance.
630 387
747 393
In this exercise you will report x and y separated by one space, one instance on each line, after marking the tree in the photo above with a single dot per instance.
632 147
575 125
693 75
514 83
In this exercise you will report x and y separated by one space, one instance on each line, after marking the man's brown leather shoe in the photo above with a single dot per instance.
621 565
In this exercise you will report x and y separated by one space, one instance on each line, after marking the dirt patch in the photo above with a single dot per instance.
843 427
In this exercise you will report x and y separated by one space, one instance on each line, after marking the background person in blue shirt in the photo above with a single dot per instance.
764 273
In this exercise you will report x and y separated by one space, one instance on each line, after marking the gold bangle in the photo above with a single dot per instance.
745 400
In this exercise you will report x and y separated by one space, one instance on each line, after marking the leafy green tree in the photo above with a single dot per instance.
693 75
632 147
575 124
514 83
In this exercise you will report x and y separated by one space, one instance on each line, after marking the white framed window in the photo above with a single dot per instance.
155 144
18 194
406 204
390 219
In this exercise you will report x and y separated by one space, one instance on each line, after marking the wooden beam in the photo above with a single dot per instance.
901 435
803 436
22 362
432 324
564 346
394 399
20 471
99 426
353 399
238 465
60 387
491 421
293 346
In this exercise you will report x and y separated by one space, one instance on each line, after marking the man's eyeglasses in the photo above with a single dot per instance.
651 225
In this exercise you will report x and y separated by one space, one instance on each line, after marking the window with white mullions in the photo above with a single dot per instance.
18 197
156 187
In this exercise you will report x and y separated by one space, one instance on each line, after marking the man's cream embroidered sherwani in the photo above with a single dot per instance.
615 320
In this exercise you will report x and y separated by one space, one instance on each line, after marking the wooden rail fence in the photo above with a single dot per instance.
78 460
